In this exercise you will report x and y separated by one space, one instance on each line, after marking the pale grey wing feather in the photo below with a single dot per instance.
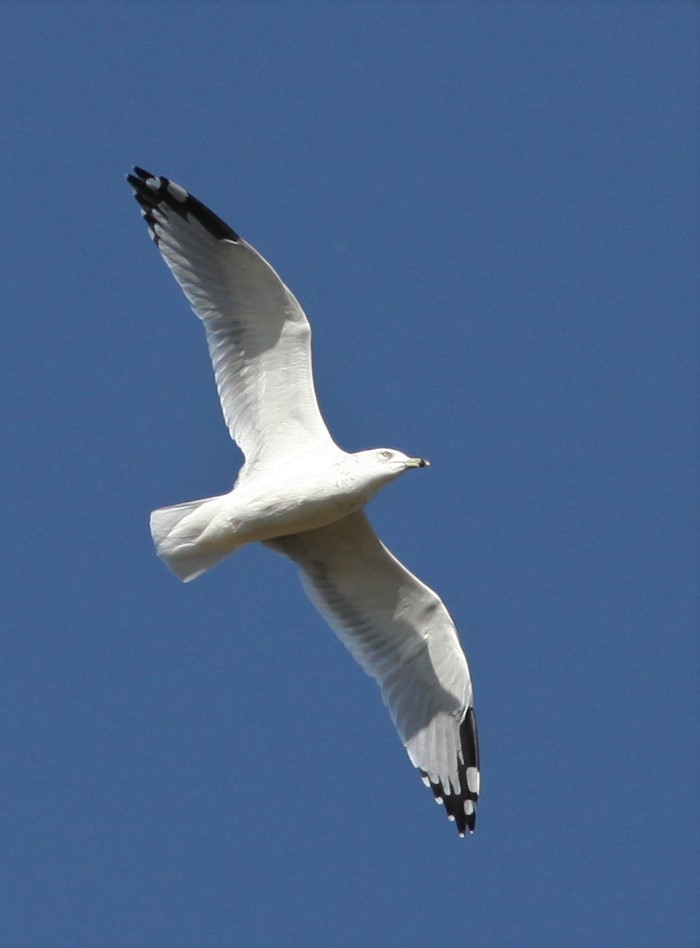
259 337
401 633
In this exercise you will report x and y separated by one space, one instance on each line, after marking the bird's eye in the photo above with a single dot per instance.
385 454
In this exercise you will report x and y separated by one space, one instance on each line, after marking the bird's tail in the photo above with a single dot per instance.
188 537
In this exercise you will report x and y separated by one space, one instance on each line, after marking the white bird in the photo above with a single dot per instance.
302 496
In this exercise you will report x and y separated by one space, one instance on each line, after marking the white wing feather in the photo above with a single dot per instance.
401 633
259 337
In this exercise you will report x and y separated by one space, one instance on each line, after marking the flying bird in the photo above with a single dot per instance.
302 496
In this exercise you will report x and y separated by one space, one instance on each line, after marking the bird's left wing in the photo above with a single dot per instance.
259 337
401 633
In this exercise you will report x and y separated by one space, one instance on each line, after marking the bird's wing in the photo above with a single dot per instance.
401 633
259 338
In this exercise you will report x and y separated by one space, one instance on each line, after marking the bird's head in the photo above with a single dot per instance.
387 463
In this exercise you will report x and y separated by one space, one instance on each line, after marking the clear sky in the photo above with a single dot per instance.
490 214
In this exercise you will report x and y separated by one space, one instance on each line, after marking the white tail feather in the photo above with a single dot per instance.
184 541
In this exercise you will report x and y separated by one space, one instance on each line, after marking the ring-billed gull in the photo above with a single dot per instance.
302 496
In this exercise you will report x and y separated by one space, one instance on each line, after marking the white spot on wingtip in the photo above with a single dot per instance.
153 183
426 781
450 818
438 800
468 807
177 192
473 780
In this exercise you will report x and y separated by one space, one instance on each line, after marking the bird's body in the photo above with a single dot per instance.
302 496
308 492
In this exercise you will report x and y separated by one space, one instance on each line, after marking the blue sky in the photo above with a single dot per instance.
490 214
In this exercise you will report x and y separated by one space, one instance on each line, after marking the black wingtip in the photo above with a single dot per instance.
157 193
461 805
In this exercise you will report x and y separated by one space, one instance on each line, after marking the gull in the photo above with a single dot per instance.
302 496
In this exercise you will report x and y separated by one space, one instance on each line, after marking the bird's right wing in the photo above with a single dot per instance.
259 338
401 633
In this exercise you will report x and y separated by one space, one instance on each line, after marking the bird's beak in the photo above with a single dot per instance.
417 462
